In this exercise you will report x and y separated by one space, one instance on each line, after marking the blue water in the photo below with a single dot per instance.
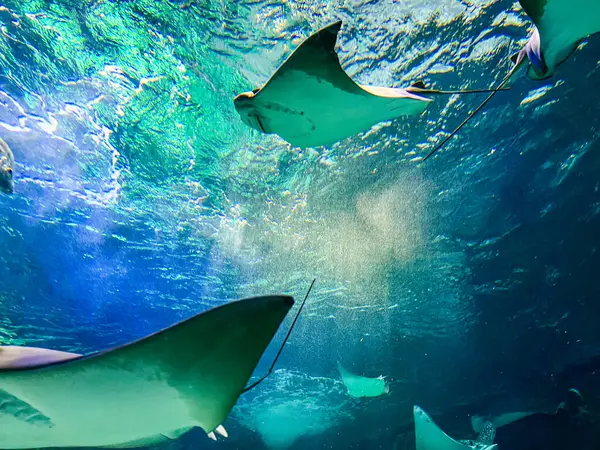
469 281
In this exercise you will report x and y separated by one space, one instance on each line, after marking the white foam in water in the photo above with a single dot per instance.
289 406
281 425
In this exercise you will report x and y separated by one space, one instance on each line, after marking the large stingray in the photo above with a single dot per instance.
561 430
560 25
311 101
154 389
429 436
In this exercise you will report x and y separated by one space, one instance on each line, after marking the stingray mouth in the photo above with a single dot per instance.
252 119
248 113
255 122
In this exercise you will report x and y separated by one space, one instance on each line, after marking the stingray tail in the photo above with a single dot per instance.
261 379
475 111
472 91
419 87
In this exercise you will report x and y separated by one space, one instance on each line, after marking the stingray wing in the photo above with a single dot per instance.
316 57
534 9
13 357
562 24
430 437
190 374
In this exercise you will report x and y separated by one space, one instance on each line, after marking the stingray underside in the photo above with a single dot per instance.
190 374
310 100
358 386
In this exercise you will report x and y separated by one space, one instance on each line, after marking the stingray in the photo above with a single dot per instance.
572 405
559 27
362 386
429 436
7 167
152 390
310 101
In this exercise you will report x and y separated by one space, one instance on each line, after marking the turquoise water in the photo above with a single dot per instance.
141 198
